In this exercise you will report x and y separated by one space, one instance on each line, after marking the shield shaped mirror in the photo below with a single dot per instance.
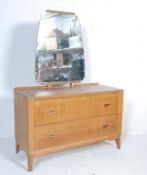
59 53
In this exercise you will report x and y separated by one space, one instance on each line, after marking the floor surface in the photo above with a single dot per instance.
98 159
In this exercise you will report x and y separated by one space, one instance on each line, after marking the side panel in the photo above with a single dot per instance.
24 122
21 123
119 112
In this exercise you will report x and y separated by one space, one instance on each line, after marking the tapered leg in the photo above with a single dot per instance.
17 148
30 162
118 142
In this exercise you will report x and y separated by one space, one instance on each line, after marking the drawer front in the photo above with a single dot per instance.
48 111
53 135
104 104
103 126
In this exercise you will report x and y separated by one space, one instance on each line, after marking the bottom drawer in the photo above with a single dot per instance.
52 135
61 133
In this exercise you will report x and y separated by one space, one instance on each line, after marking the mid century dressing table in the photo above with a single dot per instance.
50 119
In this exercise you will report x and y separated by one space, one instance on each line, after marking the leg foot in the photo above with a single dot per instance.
30 162
17 148
118 142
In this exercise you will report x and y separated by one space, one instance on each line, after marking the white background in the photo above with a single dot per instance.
115 37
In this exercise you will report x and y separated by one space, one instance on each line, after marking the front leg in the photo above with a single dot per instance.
30 162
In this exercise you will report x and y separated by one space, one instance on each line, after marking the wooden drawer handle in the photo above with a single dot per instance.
107 104
105 126
51 136
52 111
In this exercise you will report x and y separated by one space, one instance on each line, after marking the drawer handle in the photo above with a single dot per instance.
51 136
107 104
52 111
105 126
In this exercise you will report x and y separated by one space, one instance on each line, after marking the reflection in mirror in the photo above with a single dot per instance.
59 52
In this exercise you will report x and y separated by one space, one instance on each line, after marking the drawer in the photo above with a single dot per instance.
103 126
53 135
48 111
104 104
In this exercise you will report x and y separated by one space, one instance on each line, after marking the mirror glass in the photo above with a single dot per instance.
59 53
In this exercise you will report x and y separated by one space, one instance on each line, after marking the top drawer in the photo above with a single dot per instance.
71 108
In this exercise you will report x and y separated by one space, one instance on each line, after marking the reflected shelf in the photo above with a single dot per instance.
69 49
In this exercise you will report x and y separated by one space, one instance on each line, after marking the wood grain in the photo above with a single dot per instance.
57 11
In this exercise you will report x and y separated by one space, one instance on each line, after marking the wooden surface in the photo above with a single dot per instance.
63 12
44 92
48 120
21 122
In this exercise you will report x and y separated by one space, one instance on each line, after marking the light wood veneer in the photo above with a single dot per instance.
55 119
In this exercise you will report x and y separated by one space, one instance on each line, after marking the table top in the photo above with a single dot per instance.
81 89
